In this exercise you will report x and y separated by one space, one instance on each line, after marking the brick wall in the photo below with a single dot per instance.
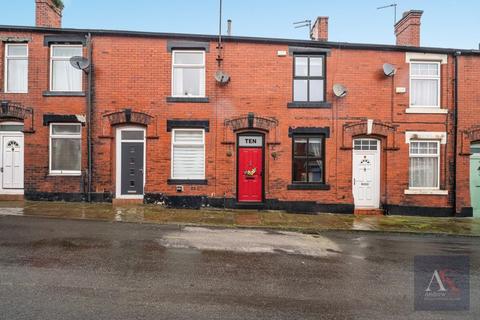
468 122
36 158
262 83
135 72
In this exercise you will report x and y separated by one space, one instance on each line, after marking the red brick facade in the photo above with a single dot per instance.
134 71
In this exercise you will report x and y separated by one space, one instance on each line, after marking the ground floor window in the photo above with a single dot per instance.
65 148
308 159
188 154
424 164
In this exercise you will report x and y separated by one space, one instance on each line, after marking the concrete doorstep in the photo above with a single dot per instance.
280 220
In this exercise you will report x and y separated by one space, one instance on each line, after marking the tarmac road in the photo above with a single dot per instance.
65 269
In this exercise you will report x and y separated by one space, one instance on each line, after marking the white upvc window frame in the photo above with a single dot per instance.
190 66
437 156
173 144
7 58
52 58
439 83
63 136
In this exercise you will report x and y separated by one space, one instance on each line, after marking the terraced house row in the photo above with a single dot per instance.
193 120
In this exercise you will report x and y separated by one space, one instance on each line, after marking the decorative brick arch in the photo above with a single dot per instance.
127 116
15 111
372 128
253 122
468 136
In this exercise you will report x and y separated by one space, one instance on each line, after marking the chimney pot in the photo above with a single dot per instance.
48 13
229 27
319 30
407 29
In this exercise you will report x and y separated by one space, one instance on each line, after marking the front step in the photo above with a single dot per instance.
369 212
126 202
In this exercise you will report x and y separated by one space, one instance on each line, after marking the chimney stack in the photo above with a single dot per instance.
319 30
48 13
407 29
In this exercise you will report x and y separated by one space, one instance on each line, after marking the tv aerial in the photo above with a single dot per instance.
389 70
339 90
394 5
303 24
80 63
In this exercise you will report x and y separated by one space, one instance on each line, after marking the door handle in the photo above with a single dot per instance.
1 169
354 181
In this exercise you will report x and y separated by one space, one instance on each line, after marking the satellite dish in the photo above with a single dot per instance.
80 63
389 70
222 77
339 90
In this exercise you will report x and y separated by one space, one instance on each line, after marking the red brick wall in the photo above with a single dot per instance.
135 72
468 121
37 176
262 83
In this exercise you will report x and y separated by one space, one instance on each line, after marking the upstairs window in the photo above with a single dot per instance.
16 68
425 84
188 74
309 78
65 149
308 159
188 154
64 77
424 164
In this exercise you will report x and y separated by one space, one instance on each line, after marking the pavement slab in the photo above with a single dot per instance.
307 223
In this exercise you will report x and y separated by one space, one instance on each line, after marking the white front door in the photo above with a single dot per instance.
11 163
366 173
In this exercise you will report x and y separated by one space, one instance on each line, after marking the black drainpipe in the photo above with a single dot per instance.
455 133
89 120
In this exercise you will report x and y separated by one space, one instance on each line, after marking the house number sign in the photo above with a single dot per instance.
250 141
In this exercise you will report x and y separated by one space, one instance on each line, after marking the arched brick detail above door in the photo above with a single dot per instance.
128 116
15 111
251 122
468 136
367 128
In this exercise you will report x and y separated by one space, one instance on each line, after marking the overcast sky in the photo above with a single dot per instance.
445 23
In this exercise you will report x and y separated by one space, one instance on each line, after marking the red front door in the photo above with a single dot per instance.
250 174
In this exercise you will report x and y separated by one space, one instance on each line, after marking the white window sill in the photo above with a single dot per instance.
431 110
16 92
53 174
427 192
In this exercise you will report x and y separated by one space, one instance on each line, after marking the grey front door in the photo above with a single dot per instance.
132 168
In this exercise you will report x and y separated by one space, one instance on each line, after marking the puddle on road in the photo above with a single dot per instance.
250 241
